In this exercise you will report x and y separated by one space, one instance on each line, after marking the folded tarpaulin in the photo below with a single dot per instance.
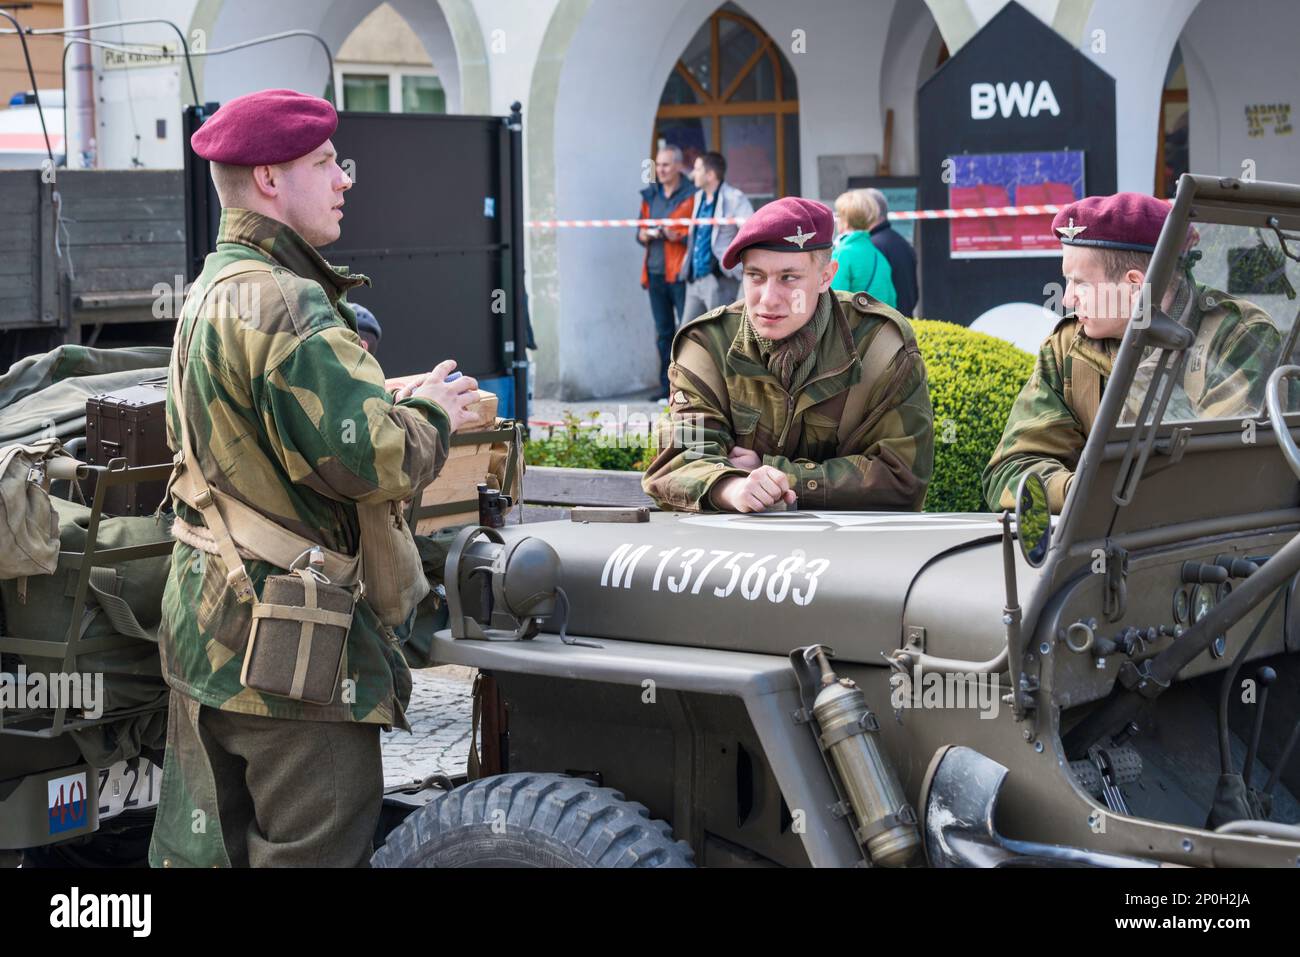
45 395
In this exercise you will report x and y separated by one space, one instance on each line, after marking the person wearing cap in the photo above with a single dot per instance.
796 395
1107 242
276 403
368 328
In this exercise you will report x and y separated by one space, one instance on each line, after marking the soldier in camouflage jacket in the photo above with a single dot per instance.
288 414
843 423
1107 245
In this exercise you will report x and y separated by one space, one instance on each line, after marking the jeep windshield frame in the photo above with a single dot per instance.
1226 484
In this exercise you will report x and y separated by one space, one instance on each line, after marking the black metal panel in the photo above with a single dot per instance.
432 305
1013 47
416 224
202 209
420 180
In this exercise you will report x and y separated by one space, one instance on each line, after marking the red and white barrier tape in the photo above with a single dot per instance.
588 223
973 212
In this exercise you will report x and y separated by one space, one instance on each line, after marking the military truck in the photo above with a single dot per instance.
1118 685
83 705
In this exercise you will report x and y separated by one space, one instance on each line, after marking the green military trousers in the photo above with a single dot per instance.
242 790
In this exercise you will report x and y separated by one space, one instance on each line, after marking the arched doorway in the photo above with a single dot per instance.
448 30
734 92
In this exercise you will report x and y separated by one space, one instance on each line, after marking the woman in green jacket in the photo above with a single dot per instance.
863 267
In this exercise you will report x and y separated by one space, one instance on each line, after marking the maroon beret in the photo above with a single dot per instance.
788 225
261 129
1123 221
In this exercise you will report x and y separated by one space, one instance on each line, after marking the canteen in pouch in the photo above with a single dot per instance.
299 636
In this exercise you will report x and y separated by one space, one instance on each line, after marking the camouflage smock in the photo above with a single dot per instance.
288 413
858 434
1227 368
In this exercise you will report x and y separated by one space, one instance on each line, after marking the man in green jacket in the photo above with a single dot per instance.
287 415
1107 243
795 394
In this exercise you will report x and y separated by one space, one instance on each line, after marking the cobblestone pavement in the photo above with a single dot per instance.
440 720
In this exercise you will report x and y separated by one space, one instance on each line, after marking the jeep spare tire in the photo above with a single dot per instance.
532 820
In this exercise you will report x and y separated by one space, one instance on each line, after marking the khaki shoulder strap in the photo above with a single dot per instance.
884 346
1198 359
1080 380
1083 393
186 470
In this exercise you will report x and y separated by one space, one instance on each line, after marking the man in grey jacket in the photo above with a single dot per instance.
708 285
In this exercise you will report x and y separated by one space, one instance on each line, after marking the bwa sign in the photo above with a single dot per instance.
1027 99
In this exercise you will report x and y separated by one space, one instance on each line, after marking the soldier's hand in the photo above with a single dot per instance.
760 489
743 458
452 397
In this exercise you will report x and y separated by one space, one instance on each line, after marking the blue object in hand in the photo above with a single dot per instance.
453 377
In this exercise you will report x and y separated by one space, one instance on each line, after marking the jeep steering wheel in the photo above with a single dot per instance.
1277 415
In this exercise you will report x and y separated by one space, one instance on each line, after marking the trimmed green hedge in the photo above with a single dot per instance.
974 379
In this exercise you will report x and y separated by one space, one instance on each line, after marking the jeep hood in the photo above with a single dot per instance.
770 582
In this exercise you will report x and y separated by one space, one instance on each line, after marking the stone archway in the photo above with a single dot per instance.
911 55
448 29
1133 43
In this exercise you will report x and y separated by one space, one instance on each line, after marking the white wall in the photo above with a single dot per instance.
1220 39
1237 53
130 101
512 39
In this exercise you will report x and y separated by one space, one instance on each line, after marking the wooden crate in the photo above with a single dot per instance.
484 408
467 466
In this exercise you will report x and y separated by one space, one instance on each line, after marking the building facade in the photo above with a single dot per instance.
802 97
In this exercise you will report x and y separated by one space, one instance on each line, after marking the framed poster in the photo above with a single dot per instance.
1011 179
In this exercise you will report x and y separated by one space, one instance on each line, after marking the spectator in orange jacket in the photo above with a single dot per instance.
671 197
